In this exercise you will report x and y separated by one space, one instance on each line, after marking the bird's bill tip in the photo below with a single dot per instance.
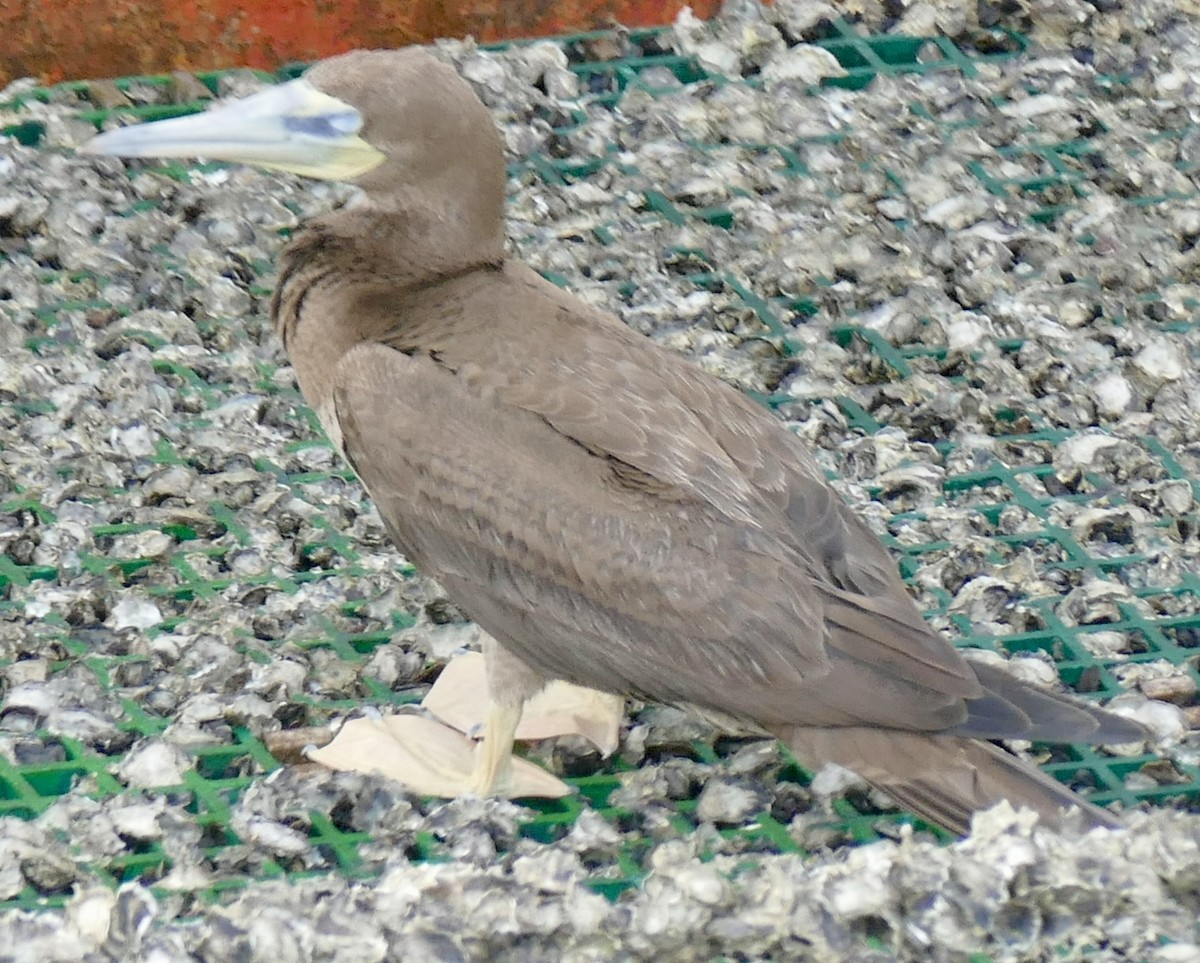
292 127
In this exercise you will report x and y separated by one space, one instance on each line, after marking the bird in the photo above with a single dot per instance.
608 513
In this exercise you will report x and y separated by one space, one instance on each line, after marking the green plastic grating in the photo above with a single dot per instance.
1044 176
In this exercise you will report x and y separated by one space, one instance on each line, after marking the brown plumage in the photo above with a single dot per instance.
608 513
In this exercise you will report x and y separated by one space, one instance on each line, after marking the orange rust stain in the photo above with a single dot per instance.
55 40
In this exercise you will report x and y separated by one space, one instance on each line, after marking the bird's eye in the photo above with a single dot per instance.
329 126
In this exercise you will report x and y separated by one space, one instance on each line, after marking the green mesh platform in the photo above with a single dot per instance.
1171 632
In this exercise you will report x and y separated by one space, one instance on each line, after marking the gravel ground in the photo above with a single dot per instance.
975 294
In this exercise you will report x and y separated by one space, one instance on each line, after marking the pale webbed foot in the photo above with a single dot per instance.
459 699
433 757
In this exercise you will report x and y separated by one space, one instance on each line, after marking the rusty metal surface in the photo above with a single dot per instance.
53 40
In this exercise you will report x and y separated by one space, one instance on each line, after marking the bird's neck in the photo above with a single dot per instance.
382 250
405 240
354 275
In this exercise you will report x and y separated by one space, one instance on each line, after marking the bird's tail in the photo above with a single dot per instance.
944 779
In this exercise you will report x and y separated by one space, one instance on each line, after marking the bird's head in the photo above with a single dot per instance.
384 119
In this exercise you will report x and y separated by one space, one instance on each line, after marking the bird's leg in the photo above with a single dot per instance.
493 756
510 683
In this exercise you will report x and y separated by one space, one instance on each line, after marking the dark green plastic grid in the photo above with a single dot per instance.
1048 179
221 773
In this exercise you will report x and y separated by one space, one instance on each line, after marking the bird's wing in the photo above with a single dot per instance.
633 587
621 397
597 391
861 589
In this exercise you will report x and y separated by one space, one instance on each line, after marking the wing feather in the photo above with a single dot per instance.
606 585
681 544
620 396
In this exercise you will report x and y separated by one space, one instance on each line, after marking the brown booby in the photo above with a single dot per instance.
608 513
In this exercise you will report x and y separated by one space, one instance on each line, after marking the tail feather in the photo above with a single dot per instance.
942 778
1050 717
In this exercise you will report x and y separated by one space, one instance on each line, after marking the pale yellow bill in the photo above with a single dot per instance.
291 127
